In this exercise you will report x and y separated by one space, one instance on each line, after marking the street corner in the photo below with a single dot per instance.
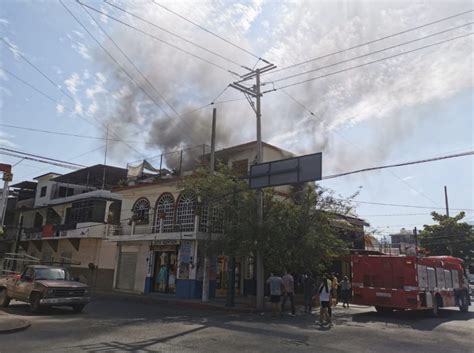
10 323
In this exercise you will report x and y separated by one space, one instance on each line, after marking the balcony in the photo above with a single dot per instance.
133 232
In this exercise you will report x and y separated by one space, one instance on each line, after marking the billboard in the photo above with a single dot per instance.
295 170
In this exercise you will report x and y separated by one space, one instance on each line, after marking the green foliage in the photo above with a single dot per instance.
296 232
448 237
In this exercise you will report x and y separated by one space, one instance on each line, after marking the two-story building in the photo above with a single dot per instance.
160 235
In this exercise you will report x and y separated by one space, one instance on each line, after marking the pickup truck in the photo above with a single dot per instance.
44 286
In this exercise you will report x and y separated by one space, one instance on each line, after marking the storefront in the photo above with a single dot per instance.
165 267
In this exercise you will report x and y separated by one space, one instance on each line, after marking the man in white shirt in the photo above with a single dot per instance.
275 283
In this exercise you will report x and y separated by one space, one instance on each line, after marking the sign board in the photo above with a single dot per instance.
287 171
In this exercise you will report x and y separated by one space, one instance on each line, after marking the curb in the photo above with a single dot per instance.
18 325
193 305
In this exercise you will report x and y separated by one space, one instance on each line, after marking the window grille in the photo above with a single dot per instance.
141 210
165 213
185 212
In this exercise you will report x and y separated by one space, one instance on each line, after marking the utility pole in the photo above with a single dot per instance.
205 279
17 242
446 200
415 235
105 157
254 92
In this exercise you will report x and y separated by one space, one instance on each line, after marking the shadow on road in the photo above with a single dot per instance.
24 310
418 320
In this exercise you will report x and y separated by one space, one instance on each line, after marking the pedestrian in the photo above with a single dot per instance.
308 291
324 291
334 286
345 291
288 292
275 283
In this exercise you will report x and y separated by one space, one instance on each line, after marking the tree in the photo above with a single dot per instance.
296 232
448 237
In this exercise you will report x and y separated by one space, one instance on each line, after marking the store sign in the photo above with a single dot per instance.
165 242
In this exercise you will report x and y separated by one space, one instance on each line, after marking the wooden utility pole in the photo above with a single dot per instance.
205 279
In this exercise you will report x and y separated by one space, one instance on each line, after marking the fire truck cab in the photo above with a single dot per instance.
409 282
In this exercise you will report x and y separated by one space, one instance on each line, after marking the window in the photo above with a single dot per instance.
86 211
185 212
164 213
141 210
216 223
43 191
64 191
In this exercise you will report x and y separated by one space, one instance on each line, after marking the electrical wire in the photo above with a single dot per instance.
157 38
404 205
68 166
371 42
58 102
38 156
368 63
138 70
69 134
210 32
468 153
356 146
369 54
176 35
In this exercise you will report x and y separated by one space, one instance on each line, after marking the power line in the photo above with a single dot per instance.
356 146
177 36
40 71
138 70
468 153
56 101
371 42
210 32
72 158
368 63
371 53
52 82
158 39
40 160
403 205
69 134
38 156
394 215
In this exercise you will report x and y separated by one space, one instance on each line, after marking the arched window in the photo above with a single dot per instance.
141 211
164 213
185 212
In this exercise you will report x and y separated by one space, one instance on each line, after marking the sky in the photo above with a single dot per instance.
148 76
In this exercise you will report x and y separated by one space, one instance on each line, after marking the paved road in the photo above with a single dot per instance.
119 326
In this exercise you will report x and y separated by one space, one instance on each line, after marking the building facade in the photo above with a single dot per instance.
160 236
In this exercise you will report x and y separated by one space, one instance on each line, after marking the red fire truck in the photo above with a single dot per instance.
409 282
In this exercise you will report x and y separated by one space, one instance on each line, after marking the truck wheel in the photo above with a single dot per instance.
4 299
78 308
383 310
463 303
35 306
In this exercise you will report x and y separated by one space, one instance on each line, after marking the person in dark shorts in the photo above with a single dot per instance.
275 283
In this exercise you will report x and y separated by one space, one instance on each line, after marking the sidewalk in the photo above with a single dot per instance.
10 324
242 304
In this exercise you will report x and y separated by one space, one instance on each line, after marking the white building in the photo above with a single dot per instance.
159 235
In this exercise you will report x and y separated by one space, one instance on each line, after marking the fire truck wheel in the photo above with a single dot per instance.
383 310
464 303
4 299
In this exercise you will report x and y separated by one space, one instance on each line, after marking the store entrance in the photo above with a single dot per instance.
222 280
164 280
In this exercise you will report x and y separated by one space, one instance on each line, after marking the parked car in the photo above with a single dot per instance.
44 286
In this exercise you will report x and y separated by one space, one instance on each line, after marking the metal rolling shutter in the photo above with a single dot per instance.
126 270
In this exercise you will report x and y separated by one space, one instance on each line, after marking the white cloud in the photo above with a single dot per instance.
81 49
59 108
5 140
4 21
73 82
